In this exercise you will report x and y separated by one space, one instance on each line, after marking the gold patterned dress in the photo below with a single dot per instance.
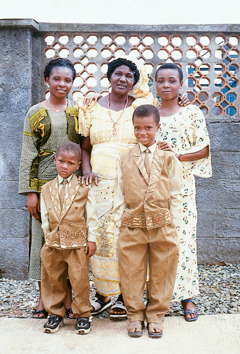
106 149
44 131
186 132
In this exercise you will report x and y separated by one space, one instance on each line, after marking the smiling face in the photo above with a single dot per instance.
122 80
60 81
145 129
168 84
67 162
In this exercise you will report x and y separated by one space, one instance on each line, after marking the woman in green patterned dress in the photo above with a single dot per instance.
183 130
47 125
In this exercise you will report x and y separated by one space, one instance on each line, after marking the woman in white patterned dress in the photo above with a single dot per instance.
183 130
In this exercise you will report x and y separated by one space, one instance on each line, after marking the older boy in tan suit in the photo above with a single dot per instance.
150 180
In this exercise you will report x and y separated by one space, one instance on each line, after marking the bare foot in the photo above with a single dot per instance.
102 297
39 312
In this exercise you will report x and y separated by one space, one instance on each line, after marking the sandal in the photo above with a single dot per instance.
190 312
39 312
119 305
99 306
69 313
152 330
139 325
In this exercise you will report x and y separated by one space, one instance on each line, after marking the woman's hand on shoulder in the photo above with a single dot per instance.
163 145
183 100
91 97
88 179
33 204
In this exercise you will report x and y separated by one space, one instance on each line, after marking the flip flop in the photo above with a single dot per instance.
118 316
135 325
99 306
190 312
154 334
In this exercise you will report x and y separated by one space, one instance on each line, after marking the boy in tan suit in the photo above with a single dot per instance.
149 179
69 241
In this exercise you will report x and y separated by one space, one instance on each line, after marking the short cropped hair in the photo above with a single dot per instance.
147 110
59 62
70 146
170 66
113 65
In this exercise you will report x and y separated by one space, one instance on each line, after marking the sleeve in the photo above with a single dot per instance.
91 216
44 216
28 171
175 175
84 117
199 139
119 202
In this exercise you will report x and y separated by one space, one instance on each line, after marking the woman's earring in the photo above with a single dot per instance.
47 85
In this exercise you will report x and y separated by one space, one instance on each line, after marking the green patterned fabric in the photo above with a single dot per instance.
43 132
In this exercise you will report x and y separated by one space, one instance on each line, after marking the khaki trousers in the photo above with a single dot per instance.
56 266
136 248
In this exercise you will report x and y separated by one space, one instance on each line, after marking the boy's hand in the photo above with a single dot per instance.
33 204
90 248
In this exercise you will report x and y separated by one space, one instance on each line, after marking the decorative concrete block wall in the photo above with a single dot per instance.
209 57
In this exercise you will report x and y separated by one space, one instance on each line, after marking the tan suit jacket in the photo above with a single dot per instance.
153 200
67 226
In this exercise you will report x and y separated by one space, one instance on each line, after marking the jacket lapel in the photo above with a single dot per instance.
55 196
136 152
71 192
156 170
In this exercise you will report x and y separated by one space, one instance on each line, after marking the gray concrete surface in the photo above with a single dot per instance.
209 335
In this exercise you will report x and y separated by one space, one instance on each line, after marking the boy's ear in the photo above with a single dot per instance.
55 160
78 165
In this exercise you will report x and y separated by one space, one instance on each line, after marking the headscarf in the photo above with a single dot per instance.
141 88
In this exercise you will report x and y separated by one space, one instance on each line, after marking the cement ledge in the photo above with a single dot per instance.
218 334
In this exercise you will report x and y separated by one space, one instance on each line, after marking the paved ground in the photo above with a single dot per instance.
216 334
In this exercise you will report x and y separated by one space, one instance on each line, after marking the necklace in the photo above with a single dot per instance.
114 128
56 110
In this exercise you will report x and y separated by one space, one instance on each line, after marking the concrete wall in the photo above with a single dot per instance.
21 85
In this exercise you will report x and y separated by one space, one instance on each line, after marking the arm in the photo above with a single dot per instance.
92 223
28 170
44 216
194 156
175 175
33 204
88 175
119 201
